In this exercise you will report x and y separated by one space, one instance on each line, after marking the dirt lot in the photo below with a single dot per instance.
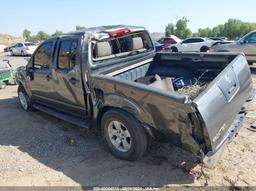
40 150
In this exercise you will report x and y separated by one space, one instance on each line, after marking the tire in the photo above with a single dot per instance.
22 53
174 49
11 53
24 99
117 125
204 49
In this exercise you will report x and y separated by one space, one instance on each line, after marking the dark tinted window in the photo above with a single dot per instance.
29 44
43 56
198 40
19 45
193 40
188 41
251 38
67 54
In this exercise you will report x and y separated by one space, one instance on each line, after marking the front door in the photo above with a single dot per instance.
67 77
249 45
41 79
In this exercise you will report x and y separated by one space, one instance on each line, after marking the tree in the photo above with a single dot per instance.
181 29
57 33
41 36
26 34
78 27
169 29
207 32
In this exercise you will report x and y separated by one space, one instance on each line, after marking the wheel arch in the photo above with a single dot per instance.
120 103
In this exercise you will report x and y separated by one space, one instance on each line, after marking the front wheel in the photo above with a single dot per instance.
204 49
124 135
24 99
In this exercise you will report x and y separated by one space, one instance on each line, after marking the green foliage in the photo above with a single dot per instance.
180 29
26 34
78 27
57 33
169 29
233 29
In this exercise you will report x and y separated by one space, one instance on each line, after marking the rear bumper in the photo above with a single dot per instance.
212 158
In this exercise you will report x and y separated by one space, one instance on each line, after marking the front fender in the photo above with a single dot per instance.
21 79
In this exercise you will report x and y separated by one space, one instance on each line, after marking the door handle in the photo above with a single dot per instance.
74 81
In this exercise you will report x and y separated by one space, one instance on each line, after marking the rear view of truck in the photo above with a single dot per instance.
194 99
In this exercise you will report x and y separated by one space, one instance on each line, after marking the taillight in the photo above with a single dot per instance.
119 32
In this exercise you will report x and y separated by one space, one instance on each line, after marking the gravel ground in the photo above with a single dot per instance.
39 150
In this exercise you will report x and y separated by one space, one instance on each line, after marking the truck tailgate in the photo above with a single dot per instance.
220 103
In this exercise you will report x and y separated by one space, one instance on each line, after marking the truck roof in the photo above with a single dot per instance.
106 28
101 29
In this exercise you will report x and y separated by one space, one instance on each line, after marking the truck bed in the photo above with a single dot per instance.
204 122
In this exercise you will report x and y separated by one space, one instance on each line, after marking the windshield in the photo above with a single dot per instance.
123 46
29 44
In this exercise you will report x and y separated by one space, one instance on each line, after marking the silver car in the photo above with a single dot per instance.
247 45
23 48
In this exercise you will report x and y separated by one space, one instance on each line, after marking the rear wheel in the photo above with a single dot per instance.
22 53
125 137
174 49
24 99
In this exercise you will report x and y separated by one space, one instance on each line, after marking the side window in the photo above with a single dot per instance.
67 54
187 41
43 56
19 45
196 40
251 38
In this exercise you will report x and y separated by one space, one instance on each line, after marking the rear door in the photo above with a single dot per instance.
67 76
41 81
223 100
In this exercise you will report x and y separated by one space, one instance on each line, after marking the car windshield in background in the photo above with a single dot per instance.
122 46
29 44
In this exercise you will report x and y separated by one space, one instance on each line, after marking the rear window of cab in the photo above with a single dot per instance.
121 46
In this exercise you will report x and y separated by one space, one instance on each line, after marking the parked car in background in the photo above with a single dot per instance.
110 78
195 44
8 48
167 41
247 45
23 48
158 46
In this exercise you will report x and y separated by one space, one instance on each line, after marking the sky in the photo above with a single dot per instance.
64 15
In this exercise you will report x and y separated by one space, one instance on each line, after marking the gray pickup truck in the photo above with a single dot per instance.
111 77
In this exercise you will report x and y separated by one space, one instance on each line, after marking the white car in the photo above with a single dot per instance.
23 48
195 44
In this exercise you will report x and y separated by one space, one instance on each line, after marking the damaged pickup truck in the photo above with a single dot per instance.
110 77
